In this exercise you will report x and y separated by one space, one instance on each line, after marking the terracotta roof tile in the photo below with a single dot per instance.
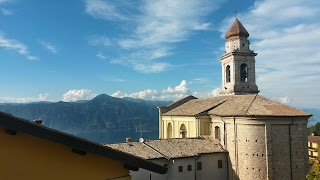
237 29
235 105
170 148
196 106
313 138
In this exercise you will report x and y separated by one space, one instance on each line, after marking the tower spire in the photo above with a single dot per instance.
238 62
237 30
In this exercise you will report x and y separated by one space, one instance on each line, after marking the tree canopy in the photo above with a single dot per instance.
314 129
314 172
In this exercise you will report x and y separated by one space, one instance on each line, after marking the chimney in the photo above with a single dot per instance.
128 139
38 121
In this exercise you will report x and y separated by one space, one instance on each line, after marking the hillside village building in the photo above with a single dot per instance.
186 158
264 139
313 147
33 151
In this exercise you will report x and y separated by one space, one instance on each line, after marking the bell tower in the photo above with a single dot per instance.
238 63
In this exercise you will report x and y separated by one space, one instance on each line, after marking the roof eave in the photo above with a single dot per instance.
238 115
8 121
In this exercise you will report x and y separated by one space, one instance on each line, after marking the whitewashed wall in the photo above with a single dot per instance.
209 170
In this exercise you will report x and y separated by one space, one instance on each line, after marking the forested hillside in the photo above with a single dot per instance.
104 119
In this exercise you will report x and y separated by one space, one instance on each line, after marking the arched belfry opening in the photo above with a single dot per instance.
169 130
183 131
228 74
244 72
217 134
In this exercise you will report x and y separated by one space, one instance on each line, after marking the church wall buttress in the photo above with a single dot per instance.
230 141
251 151
299 151
281 163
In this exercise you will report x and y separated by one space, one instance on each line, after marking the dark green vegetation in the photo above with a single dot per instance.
314 129
314 122
104 119
314 172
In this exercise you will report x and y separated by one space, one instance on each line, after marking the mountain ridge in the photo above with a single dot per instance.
104 119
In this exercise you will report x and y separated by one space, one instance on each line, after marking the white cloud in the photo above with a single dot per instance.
78 94
158 53
216 92
103 10
213 93
16 46
164 22
156 28
100 55
181 88
169 94
5 12
145 94
203 26
99 41
151 68
283 100
120 94
171 97
200 80
148 94
113 79
285 10
41 97
49 46
286 36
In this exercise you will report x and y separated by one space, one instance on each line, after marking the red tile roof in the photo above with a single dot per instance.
237 29
313 138
235 105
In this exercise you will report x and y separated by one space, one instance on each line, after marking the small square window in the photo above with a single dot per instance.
180 168
219 163
189 167
199 166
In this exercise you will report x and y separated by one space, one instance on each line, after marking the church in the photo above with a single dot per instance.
263 139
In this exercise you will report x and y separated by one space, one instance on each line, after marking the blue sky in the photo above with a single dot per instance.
159 50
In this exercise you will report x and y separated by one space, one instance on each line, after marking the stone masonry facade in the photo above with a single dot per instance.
273 148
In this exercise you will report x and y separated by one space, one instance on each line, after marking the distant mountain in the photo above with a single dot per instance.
316 115
104 119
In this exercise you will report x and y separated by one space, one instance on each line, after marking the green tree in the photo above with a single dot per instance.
314 129
314 172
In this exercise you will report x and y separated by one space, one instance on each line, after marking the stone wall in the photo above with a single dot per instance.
260 148
251 151
280 154
230 146
289 151
209 170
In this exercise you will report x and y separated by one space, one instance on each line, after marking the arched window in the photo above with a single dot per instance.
169 130
183 131
228 74
244 72
217 133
